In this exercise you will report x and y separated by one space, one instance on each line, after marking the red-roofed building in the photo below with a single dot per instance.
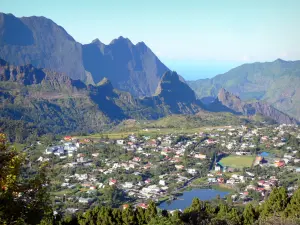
112 182
280 163
68 138
148 181
221 180
210 141
143 205
264 138
260 189
86 140
261 182
137 159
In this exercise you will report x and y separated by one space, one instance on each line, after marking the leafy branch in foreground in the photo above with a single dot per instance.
22 200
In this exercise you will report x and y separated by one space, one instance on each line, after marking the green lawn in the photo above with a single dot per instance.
201 180
238 161
64 192
222 187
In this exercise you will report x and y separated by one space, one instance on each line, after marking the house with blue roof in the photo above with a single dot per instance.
265 154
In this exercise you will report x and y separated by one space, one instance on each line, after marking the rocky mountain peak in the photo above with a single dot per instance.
121 40
225 95
104 82
230 100
170 76
96 41
279 60
170 86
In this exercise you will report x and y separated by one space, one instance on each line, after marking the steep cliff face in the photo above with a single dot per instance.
40 42
175 96
26 75
269 111
232 103
171 88
44 44
132 68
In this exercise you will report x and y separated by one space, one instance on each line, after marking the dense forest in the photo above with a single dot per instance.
25 200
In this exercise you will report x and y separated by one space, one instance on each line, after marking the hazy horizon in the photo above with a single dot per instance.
199 39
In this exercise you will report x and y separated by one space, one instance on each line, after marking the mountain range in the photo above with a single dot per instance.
52 84
276 83
55 103
52 102
44 44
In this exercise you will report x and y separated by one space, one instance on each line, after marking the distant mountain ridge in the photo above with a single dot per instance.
276 83
44 44
228 102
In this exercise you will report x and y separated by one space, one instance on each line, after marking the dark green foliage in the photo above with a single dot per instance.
22 200
293 208
249 215
276 203
278 209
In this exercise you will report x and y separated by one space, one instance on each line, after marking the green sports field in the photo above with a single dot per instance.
237 161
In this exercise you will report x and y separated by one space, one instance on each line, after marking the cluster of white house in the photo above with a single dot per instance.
68 148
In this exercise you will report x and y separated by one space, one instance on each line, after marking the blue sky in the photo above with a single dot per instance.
196 38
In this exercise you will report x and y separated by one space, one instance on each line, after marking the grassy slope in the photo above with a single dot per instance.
203 121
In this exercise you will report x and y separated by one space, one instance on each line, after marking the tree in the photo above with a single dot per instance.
176 218
112 195
293 208
160 221
222 214
128 216
140 215
196 205
249 215
117 215
23 201
229 200
233 216
276 203
151 211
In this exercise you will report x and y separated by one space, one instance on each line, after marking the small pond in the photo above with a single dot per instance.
186 199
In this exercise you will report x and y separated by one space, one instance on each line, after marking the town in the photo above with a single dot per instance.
246 161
